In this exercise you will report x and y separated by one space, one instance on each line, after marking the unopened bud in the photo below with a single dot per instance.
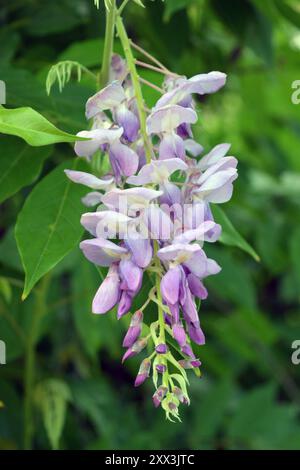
161 368
161 348
137 347
180 395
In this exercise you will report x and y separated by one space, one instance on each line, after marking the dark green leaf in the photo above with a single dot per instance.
230 236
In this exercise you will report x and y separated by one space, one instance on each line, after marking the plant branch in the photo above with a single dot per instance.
108 44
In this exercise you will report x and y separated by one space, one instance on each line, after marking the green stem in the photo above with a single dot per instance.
136 84
108 44
29 373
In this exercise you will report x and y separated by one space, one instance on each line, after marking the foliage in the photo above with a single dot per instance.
248 396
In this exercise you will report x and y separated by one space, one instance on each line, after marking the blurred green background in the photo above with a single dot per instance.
249 395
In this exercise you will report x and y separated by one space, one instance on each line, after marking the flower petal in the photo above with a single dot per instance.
108 293
124 304
131 274
158 171
196 287
179 334
107 98
86 148
205 83
126 159
192 147
218 187
199 233
141 250
112 224
218 152
178 252
197 263
171 146
121 199
170 285
196 333
129 121
158 223
92 199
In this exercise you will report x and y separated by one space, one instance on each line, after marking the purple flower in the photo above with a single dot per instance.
201 84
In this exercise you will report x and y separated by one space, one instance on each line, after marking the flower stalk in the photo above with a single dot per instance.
136 84
108 43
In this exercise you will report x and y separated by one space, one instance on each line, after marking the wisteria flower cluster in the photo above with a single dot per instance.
153 216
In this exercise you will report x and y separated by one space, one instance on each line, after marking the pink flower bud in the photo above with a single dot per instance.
161 348
137 347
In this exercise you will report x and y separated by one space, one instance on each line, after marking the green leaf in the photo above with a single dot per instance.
32 127
20 165
53 17
5 289
52 397
50 217
230 236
